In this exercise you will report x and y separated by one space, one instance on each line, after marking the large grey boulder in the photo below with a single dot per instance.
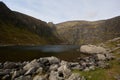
91 49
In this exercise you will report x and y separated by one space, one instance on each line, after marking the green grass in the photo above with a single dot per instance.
9 34
105 74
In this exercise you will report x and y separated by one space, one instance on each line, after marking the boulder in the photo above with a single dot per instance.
91 49
33 63
65 70
53 60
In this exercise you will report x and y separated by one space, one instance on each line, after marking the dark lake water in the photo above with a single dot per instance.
25 53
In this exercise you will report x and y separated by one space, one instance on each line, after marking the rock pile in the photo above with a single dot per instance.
48 68
92 62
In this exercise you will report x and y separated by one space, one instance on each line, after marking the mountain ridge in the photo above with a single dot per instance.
89 32
18 28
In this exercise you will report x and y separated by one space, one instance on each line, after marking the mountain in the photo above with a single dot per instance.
20 29
89 32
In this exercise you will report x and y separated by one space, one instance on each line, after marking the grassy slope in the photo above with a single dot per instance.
10 34
105 74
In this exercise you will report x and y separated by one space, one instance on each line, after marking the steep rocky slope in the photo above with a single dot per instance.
88 32
17 28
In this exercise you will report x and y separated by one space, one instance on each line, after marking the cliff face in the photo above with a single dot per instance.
18 28
86 32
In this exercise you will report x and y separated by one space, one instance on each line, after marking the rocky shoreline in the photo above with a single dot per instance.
52 68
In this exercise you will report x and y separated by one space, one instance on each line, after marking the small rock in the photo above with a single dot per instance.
53 67
100 56
65 70
23 78
6 77
39 70
40 77
10 65
74 76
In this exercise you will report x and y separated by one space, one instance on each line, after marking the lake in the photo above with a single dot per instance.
26 53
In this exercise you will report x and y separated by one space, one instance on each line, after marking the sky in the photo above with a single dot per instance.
57 11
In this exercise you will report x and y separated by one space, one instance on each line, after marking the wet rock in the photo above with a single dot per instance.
10 65
4 72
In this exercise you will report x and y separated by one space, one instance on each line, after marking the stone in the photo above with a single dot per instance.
33 63
100 56
92 67
40 77
31 71
109 56
18 73
117 77
23 78
6 77
74 76
92 49
4 72
10 65
53 67
53 60
74 65
103 64
39 70
65 70
54 75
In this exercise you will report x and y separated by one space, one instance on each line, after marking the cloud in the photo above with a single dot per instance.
63 10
